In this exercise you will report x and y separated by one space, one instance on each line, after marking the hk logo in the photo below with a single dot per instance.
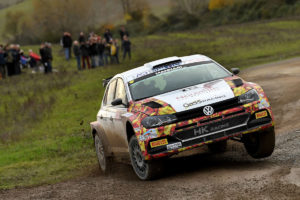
200 131
208 110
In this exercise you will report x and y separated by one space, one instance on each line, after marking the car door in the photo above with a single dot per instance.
104 115
117 121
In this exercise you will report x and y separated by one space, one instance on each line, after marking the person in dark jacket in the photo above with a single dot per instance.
123 32
101 48
84 49
93 50
77 53
81 38
17 63
108 36
46 57
2 63
126 47
10 60
67 44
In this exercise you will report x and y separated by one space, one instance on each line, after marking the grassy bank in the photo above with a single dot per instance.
44 120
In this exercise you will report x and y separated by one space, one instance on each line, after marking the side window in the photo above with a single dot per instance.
121 92
110 96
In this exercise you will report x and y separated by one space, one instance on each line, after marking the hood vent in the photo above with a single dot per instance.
238 82
153 104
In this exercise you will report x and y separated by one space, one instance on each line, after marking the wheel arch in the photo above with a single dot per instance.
129 130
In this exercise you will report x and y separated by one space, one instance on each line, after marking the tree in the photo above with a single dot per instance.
218 4
57 16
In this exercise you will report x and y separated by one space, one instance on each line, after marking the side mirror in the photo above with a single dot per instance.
117 102
235 71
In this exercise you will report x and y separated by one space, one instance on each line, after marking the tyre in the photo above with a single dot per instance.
218 147
260 144
105 162
145 170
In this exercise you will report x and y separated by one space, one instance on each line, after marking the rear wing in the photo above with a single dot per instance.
106 81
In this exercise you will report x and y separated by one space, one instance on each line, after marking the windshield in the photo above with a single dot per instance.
176 78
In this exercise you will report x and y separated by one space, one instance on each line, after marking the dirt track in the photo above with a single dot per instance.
232 175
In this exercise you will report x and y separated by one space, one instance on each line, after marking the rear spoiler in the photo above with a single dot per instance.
106 81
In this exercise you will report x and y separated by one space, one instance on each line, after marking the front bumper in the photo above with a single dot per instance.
197 132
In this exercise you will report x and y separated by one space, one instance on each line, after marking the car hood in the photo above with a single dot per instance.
197 95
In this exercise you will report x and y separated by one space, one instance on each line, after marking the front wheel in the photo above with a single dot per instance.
260 144
145 170
105 162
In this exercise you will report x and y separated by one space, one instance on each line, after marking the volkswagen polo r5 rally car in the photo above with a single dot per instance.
175 104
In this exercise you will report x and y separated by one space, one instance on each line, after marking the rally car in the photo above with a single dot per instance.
175 104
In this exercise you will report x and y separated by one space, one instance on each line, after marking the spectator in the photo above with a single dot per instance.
10 60
77 53
46 57
101 48
33 59
81 38
17 64
123 32
126 47
85 55
93 50
2 63
107 52
114 52
67 44
107 36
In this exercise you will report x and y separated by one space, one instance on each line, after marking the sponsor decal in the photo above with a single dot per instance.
201 130
206 129
150 134
158 143
198 95
168 70
160 69
261 114
167 66
176 145
208 110
201 101
222 126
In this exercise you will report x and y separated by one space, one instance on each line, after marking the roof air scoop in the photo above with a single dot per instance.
163 62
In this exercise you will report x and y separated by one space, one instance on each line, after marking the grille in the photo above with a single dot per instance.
212 127
198 112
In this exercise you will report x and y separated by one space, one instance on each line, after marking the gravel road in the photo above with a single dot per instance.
231 175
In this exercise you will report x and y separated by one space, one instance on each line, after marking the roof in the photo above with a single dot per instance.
148 68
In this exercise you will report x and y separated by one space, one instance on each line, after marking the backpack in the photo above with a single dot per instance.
113 50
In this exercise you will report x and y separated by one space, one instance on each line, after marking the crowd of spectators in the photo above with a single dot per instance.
93 50
13 60
89 51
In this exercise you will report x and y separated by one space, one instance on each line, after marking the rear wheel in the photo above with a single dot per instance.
260 144
105 162
145 170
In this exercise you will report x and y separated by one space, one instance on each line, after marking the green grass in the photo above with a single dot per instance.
42 140
25 6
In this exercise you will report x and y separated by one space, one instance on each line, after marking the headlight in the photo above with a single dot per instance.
159 120
249 97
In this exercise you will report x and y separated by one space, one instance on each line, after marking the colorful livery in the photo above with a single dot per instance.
176 104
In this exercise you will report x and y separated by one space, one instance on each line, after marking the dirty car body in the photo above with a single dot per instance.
179 103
